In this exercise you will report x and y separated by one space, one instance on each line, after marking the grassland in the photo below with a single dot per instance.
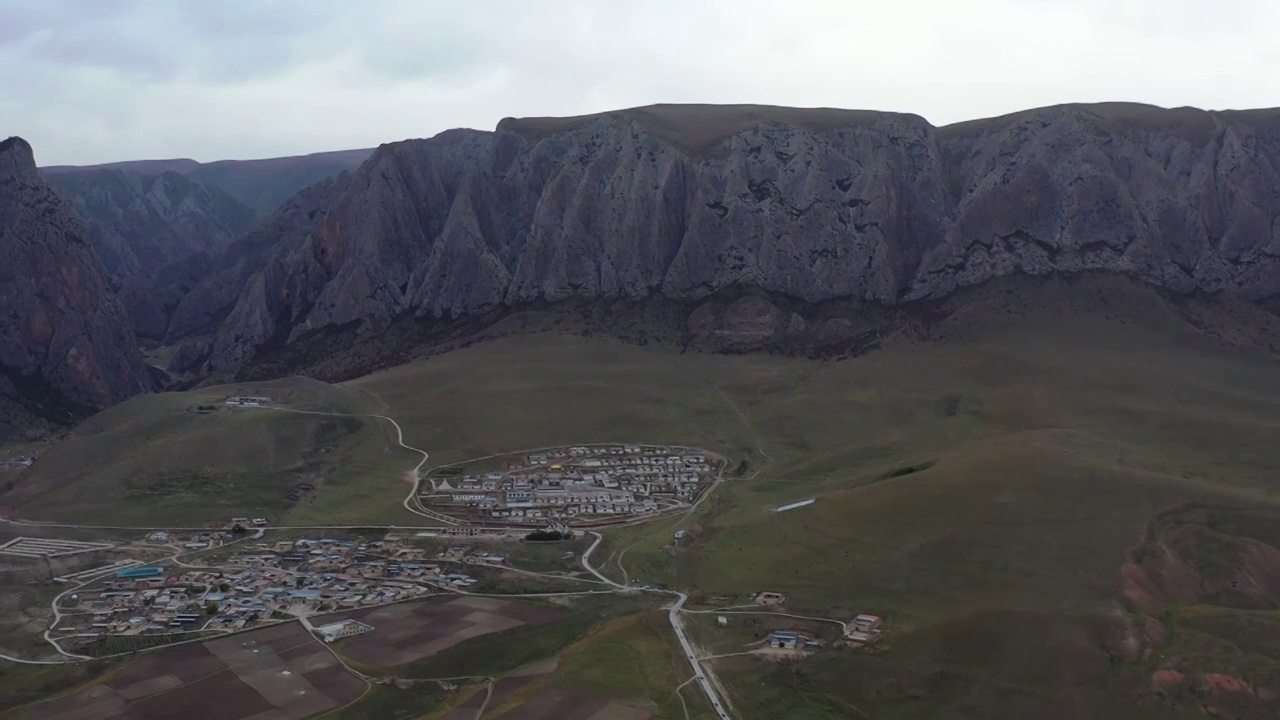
24 684
980 482
157 460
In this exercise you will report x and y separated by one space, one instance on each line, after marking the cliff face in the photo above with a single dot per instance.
139 224
64 342
214 282
687 201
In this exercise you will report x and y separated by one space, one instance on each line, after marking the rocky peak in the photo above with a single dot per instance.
64 345
17 161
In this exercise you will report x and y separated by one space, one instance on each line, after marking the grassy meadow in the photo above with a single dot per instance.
980 484
159 460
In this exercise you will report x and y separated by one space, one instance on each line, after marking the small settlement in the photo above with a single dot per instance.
580 485
269 579
248 401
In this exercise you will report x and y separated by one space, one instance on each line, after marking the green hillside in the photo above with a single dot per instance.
1010 485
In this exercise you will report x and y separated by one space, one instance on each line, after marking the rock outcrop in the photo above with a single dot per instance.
65 347
140 224
689 201
214 282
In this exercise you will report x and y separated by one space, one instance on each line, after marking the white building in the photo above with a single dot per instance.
342 629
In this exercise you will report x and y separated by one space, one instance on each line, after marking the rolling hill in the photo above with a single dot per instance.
260 184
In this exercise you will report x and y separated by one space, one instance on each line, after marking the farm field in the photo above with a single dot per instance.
406 632
279 672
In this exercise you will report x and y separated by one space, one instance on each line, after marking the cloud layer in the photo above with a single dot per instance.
99 80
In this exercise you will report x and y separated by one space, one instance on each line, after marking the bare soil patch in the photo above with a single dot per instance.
407 632
281 673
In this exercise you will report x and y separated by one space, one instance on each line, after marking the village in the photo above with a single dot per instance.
265 580
578 485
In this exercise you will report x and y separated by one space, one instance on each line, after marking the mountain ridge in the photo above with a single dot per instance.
818 205
262 183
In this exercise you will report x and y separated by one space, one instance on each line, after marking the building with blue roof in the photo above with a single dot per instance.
139 573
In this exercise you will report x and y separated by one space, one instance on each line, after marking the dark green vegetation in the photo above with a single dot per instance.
116 645
393 702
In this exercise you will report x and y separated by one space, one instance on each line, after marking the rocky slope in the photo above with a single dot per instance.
212 282
65 347
688 202
139 224
261 184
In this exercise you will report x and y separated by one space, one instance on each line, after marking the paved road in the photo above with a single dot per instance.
677 626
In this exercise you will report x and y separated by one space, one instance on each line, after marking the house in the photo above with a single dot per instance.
868 622
342 629
784 639
304 596
518 497
864 629
766 597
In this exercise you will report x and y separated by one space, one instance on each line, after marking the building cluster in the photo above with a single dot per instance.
564 484
248 400
298 577
204 540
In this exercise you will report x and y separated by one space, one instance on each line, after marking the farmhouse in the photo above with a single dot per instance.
784 639
766 597
342 629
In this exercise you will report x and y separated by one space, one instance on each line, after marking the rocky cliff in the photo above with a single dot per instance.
688 202
213 282
65 346
139 224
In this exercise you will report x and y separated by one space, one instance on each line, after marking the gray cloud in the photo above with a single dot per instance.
98 80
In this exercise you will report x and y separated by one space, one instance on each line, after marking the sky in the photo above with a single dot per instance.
88 81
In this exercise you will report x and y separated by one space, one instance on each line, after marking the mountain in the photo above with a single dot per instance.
65 346
797 208
212 282
138 224
261 184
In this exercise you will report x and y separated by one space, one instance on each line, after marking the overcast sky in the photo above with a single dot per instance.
99 80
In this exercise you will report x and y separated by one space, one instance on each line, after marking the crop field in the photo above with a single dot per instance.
279 672
405 632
